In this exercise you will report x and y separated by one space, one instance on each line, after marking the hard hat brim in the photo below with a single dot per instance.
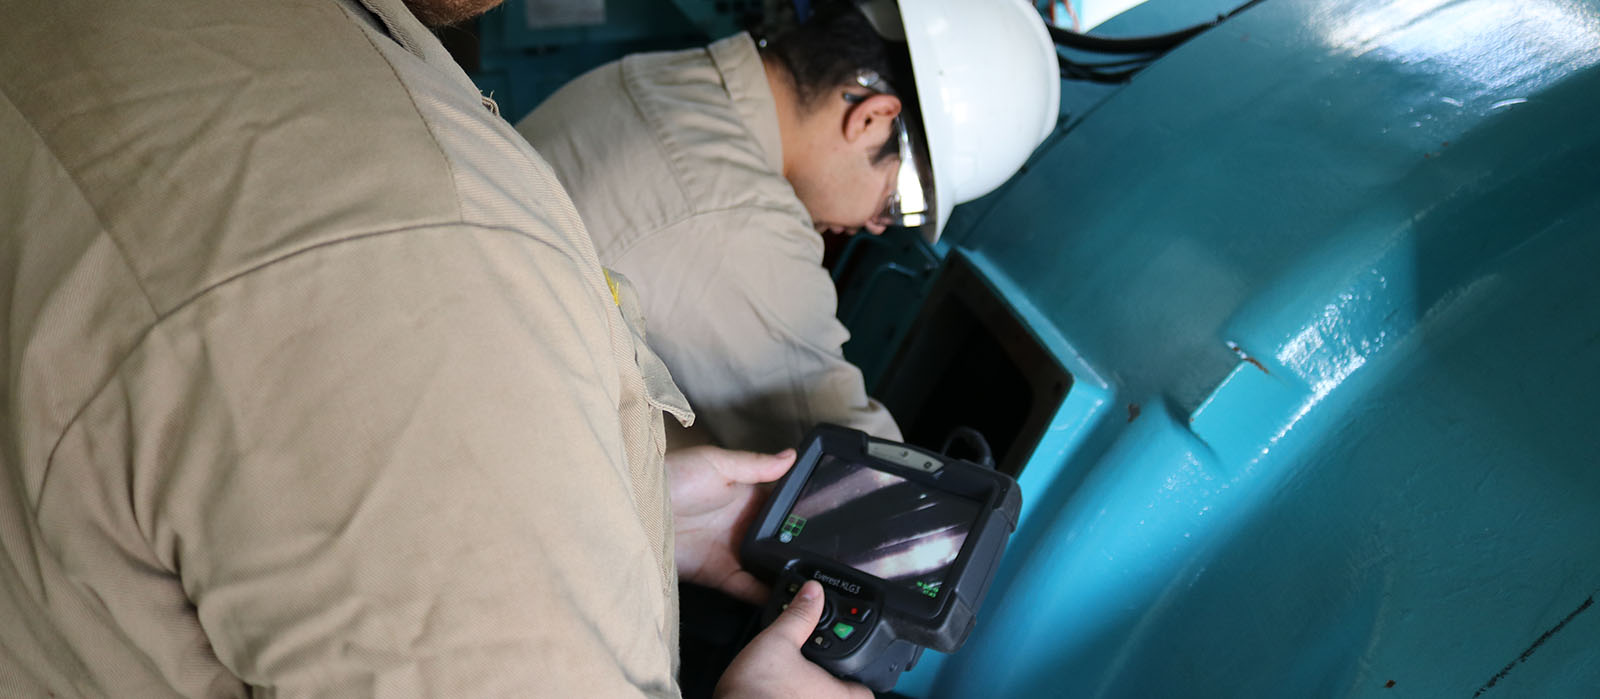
957 174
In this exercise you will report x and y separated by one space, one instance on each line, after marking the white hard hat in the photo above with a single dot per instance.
989 87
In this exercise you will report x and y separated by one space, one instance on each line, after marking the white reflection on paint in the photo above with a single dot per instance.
1323 354
1498 44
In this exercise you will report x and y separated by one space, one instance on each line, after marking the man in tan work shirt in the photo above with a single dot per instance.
314 385
707 176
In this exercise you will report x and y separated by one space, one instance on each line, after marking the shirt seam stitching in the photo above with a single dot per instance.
433 138
698 213
161 318
738 98
662 136
105 227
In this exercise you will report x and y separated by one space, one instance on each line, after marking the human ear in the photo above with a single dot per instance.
871 117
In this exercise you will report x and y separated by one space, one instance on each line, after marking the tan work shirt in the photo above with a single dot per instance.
675 162
313 382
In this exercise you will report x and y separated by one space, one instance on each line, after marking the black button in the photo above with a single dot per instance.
821 641
827 611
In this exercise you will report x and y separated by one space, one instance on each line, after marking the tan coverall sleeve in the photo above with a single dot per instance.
744 315
389 466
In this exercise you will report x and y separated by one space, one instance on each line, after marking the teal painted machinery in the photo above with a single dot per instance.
525 49
1293 342
1324 280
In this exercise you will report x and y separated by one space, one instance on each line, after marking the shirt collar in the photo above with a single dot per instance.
739 62
402 26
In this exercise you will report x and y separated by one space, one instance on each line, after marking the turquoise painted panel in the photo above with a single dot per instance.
1342 256
521 62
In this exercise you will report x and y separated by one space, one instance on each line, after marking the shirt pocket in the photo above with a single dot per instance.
661 392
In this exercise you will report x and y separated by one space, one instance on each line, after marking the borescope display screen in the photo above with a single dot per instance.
879 523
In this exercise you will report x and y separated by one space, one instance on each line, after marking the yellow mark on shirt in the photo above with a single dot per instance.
615 296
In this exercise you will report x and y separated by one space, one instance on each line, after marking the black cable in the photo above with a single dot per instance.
973 439
1140 61
1078 71
1136 44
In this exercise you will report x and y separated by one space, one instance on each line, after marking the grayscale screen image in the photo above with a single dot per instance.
879 523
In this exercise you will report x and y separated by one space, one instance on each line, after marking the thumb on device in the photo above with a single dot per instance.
772 666
797 622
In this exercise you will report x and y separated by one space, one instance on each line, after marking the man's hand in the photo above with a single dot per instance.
714 497
772 666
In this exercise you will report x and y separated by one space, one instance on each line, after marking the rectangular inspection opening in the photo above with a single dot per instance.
969 361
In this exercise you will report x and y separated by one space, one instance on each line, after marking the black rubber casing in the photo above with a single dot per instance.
899 621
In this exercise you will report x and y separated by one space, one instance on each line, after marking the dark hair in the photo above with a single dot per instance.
826 52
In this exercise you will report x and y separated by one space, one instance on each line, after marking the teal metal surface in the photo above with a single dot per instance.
880 277
1326 280
525 52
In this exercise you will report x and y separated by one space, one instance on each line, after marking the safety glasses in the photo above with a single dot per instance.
910 203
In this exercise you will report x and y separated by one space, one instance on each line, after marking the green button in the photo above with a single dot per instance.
843 630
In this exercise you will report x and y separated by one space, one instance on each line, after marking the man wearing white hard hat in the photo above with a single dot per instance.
708 176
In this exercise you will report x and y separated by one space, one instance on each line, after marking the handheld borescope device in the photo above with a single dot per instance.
905 543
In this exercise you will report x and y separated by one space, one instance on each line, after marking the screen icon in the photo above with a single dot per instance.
791 528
